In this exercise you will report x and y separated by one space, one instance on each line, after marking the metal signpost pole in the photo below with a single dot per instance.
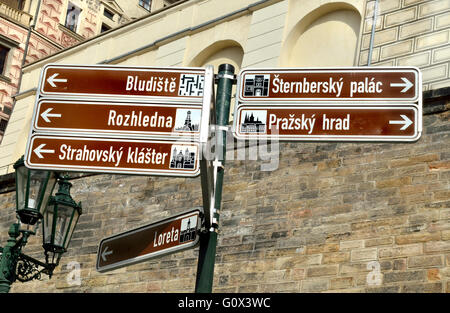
208 240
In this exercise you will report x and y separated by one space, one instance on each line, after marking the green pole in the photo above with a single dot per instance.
8 260
208 240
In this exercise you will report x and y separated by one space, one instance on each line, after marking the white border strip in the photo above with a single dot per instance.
152 254
384 138
112 170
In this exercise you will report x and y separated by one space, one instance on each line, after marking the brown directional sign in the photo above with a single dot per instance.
183 84
337 104
167 236
119 156
330 123
113 119
356 83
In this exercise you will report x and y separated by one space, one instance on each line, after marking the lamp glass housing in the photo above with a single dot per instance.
33 189
59 221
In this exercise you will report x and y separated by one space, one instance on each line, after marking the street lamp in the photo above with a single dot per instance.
60 219
33 188
34 203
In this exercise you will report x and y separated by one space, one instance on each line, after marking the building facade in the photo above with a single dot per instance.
33 29
340 217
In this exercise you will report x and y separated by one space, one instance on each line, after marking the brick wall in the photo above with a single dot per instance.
357 217
413 33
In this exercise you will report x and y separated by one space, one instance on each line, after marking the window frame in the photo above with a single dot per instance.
104 28
3 123
78 19
108 14
9 44
4 53
142 4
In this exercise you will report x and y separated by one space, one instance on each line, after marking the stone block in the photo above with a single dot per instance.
423 288
416 28
378 242
368 24
364 254
249 288
425 261
341 283
432 40
384 289
400 17
321 248
434 274
399 264
350 245
400 251
381 38
263 27
314 285
269 12
416 237
440 84
433 7
434 73
445 234
281 287
335 257
393 277
412 2
437 246
384 6
319 271
396 49
262 54
393 182
419 60
353 268
442 21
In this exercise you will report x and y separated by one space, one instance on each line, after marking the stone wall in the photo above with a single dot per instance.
334 217
410 33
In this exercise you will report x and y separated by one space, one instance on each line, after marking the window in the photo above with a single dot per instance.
3 124
15 4
3 58
108 14
146 4
105 28
7 110
73 12
7 46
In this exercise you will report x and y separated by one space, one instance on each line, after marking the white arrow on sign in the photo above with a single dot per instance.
46 114
105 253
405 122
406 84
52 80
39 150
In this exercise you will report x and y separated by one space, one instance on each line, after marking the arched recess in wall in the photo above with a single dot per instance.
225 51
327 36
221 52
